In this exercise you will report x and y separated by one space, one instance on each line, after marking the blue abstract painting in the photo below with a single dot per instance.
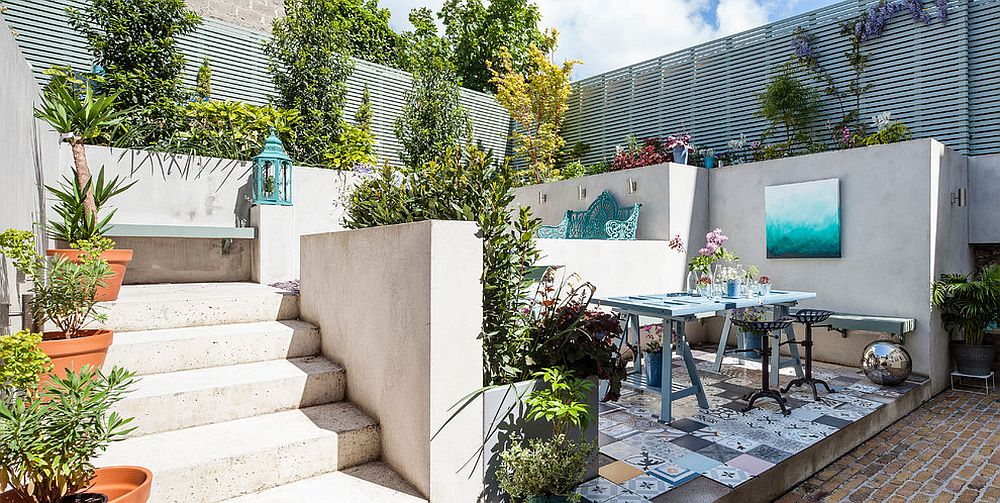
803 219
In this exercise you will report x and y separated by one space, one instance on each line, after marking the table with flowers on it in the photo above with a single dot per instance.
676 309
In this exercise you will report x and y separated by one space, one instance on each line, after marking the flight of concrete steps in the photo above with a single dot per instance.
235 403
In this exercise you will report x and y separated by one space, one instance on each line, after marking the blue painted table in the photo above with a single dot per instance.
676 309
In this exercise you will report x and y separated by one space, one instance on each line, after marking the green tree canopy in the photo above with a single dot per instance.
477 33
433 119
366 31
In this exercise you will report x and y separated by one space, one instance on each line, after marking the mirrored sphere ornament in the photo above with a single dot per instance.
886 363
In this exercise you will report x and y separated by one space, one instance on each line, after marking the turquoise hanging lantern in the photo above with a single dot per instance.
272 174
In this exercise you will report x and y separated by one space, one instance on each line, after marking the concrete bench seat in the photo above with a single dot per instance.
181 231
844 322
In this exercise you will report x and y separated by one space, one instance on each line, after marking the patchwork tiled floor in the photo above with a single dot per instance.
720 448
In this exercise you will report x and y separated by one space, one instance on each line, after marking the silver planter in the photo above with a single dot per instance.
886 363
973 360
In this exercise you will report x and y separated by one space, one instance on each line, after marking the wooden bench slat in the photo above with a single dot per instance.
181 231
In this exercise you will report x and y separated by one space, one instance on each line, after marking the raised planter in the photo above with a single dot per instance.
117 259
503 416
73 354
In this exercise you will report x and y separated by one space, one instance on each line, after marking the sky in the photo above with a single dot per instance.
609 34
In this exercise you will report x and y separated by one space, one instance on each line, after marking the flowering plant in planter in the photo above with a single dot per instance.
764 280
712 252
679 141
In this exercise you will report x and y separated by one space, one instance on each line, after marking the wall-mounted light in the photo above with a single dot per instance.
632 186
958 198
581 192
542 198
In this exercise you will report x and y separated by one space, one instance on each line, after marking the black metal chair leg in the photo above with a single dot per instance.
767 393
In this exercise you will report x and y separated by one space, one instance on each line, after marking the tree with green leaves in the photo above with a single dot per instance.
477 33
203 82
135 43
366 30
433 119
537 102
791 105
309 65
357 142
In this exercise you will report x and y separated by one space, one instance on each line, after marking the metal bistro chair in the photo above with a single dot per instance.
809 317
766 331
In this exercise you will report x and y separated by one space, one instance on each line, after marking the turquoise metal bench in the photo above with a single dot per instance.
604 219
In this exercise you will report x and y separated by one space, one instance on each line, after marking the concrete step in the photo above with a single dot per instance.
175 349
370 482
220 461
175 305
165 402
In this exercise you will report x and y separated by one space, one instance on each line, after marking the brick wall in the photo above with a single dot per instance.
253 14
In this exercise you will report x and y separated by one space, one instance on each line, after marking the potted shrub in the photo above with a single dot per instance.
21 364
654 363
64 298
80 117
751 342
968 304
51 439
548 470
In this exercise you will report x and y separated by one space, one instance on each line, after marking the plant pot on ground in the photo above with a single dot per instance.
654 363
52 436
64 296
968 305
82 117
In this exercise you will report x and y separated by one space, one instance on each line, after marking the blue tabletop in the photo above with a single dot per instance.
683 304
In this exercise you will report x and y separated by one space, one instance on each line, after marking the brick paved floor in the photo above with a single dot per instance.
946 450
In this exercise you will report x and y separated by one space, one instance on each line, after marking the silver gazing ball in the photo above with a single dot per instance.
886 363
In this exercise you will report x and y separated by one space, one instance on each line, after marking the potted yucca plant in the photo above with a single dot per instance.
968 304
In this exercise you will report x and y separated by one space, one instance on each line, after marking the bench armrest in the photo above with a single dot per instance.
623 229
553 231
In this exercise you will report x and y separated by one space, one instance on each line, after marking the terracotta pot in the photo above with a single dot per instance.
76 352
121 484
117 259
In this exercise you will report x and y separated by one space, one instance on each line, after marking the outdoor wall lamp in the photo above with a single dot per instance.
542 198
632 186
958 198
581 192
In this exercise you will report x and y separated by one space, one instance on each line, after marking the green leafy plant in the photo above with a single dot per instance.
968 302
366 31
22 363
888 130
230 129
466 185
654 346
552 467
134 44
79 120
203 81
574 169
64 296
433 119
50 441
791 106
71 197
309 66
357 142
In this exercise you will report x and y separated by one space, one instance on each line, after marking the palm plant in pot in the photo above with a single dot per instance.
548 470
63 296
968 304
51 437
74 111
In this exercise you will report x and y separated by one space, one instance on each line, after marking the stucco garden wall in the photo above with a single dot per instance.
400 307
984 199
28 154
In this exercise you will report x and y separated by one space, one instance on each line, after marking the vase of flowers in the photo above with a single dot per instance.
708 257
654 363
764 284
681 145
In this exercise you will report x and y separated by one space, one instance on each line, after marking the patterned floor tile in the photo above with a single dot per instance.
836 422
605 421
645 461
708 433
648 486
627 497
719 452
673 474
619 472
620 430
805 414
599 490
620 450
728 475
697 463
769 453
687 425
691 442
750 464
738 443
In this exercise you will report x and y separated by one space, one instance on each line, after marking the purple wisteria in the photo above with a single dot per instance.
714 241
873 24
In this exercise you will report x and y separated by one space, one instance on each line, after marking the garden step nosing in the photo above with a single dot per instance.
174 305
219 461
175 349
164 402
374 482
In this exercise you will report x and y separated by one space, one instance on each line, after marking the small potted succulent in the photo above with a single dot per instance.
968 305
63 295
764 283
705 286
52 436
548 470
654 363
